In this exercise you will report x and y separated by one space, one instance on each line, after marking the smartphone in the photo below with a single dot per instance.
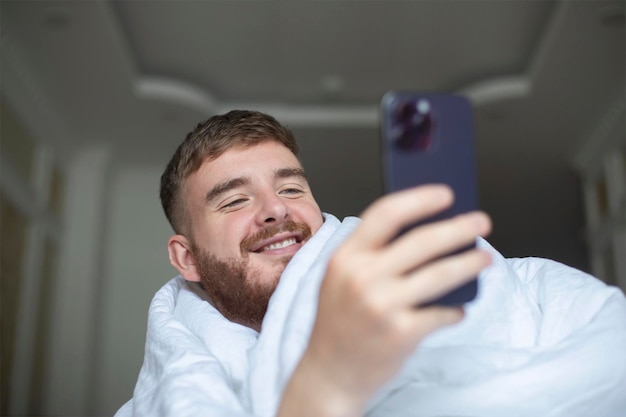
428 138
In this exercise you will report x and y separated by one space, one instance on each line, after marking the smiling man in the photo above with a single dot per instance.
239 202
282 310
245 213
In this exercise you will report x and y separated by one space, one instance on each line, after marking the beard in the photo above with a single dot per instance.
238 291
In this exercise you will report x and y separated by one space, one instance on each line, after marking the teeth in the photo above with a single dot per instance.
282 244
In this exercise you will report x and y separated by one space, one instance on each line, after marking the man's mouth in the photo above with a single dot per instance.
284 240
276 243
280 245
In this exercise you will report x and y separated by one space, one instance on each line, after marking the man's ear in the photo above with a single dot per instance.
181 257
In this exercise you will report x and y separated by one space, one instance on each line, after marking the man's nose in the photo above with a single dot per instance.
272 210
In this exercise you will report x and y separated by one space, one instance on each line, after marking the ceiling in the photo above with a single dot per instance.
136 76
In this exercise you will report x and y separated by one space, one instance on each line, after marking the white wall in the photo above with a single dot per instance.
112 236
76 295
135 266
114 260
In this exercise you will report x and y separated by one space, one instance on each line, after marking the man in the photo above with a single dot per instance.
245 220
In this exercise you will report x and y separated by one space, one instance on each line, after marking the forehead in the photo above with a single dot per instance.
262 158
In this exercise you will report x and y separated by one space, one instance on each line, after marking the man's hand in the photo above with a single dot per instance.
368 321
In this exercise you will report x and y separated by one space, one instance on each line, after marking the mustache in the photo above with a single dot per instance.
268 232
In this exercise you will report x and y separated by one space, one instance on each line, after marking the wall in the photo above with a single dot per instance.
89 264
135 266
31 182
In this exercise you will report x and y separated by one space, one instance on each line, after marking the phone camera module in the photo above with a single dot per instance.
413 126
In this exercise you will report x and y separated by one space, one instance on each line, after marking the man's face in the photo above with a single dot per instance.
251 210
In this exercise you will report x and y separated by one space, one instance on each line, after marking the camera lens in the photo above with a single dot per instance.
413 125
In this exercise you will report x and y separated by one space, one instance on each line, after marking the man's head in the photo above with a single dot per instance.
209 140
240 205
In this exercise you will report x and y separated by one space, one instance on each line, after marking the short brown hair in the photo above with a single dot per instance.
207 142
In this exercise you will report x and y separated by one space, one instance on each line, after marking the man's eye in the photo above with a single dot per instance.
234 203
291 191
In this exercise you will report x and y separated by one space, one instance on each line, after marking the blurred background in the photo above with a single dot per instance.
96 95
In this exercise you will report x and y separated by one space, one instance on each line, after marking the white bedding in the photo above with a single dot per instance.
541 339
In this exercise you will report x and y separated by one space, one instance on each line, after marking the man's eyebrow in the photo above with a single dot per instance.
291 172
224 187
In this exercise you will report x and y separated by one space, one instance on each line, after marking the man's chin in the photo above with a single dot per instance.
260 260
275 266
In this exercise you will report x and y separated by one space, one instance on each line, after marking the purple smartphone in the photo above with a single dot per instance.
428 138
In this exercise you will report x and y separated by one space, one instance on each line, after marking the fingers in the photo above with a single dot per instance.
413 267
415 324
385 218
440 277
434 240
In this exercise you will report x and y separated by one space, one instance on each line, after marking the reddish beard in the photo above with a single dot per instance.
240 293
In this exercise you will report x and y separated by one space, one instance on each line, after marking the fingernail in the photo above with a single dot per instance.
482 221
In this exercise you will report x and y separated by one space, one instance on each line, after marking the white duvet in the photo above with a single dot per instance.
541 339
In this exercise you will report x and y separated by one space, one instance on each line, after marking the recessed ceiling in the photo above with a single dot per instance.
136 76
